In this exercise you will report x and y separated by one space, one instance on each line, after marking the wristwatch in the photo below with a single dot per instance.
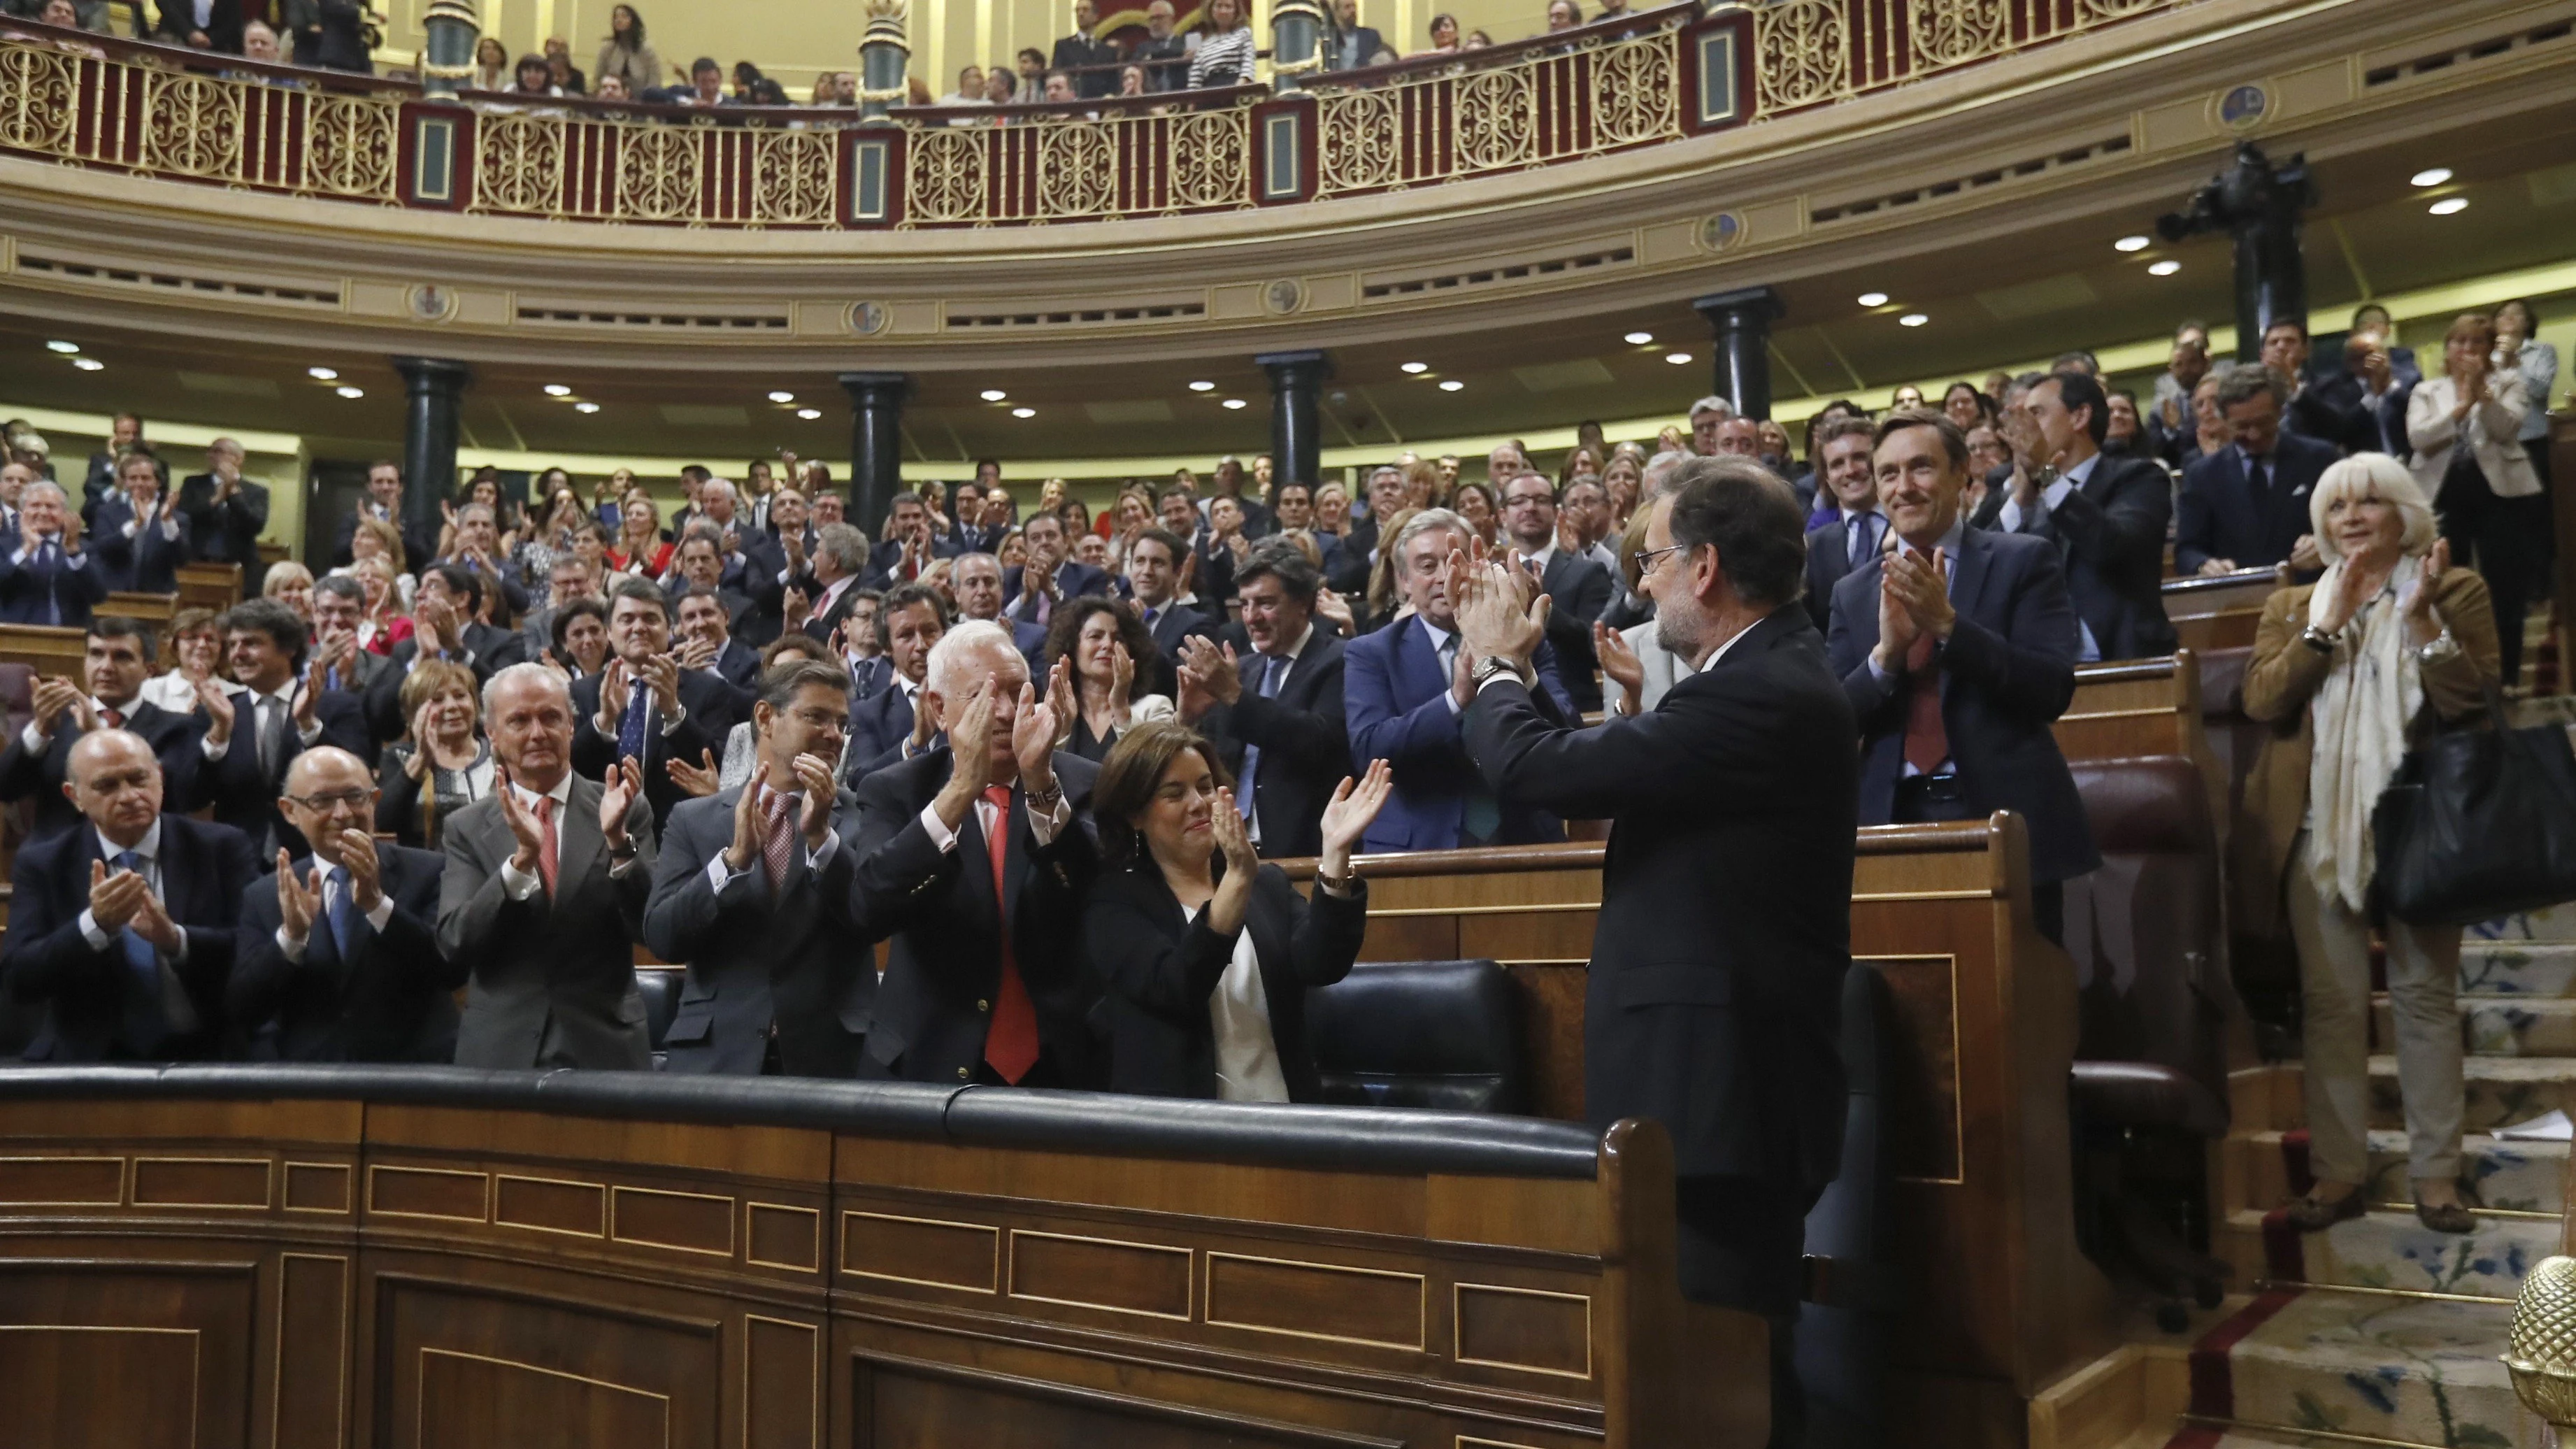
2442 647
1491 667
2317 639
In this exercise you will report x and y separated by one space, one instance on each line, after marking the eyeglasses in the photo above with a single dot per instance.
342 800
1647 558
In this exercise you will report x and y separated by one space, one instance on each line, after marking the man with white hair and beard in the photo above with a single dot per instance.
974 860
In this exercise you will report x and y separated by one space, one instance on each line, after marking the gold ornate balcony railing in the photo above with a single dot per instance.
1639 80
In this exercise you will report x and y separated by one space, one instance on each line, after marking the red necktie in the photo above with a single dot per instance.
780 847
546 849
1927 738
115 718
1011 1043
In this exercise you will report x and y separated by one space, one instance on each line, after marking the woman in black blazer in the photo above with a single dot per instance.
1207 952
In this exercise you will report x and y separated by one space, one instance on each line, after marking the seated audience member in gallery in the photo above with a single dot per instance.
1109 664
226 512
1578 587
1207 953
890 724
254 731
1404 689
442 764
2245 506
1156 558
1273 709
1051 576
337 957
1957 651
544 892
974 864
1846 478
116 657
753 892
139 538
2106 515
122 928
46 575
645 707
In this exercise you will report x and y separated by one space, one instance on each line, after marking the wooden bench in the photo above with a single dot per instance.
44 648
1998 1299
153 609
216 586
2220 612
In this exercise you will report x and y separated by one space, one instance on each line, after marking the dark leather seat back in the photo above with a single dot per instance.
661 988
1436 1034
1843 1327
2145 929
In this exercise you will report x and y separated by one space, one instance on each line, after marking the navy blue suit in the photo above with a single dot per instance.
2219 516
867 677
59 591
244 796
2110 533
388 1000
2007 673
147 563
89 993
1072 579
173 738
1395 700
878 727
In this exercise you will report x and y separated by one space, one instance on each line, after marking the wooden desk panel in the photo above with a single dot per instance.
43 648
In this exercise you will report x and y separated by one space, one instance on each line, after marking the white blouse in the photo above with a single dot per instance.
1247 1056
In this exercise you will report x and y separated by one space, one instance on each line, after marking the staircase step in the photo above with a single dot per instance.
2555 923
2517 968
2387 1249
2500 1026
2521 1176
2501 1091
2400 1370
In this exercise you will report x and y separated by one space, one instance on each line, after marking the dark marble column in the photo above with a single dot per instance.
876 444
1296 444
433 390
1739 324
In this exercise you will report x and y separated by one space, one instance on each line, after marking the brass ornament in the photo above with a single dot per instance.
2541 1351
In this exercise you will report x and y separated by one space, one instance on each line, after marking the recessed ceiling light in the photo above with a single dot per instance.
345 390
2430 176
556 389
1912 319
809 414
323 374
1676 358
1873 299
782 397
2164 268
1452 385
1202 387
64 346
1417 367
1024 412
1236 402
2132 244
994 394
1640 339
88 364
2449 206
585 407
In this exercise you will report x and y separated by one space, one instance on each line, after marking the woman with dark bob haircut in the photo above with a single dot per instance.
1206 951
1110 663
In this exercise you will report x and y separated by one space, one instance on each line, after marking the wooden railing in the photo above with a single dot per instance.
1638 80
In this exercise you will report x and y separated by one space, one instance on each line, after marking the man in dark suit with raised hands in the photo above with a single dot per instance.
1713 1004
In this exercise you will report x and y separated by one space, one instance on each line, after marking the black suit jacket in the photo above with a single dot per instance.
223 24
2111 534
2220 516
938 912
1580 588
707 705
489 649
1159 969
1171 624
886 557
2365 429
1079 50
1828 559
227 532
244 796
1072 577
2006 675
759 959
1304 739
46 958
879 725
173 738
389 1000
148 562
1347 563
1713 1003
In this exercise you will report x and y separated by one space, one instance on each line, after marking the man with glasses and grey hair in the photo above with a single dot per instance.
1403 691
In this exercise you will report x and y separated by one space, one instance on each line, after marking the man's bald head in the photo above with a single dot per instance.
321 765
329 794
114 780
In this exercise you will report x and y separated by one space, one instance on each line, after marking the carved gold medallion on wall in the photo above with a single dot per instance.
869 318
1720 233
2241 108
1283 296
430 302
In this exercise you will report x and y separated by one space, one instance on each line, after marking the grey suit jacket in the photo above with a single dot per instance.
758 958
553 980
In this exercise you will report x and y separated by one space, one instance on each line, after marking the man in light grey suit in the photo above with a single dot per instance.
753 890
544 894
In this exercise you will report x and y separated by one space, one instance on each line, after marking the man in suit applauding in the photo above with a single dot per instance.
890 724
1717 964
544 894
2246 505
337 958
123 928
753 892
1579 586
1844 474
37 762
226 514
48 578
1275 711
644 707
141 540
1958 653
1403 691
1050 576
974 858
1155 558
2106 515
